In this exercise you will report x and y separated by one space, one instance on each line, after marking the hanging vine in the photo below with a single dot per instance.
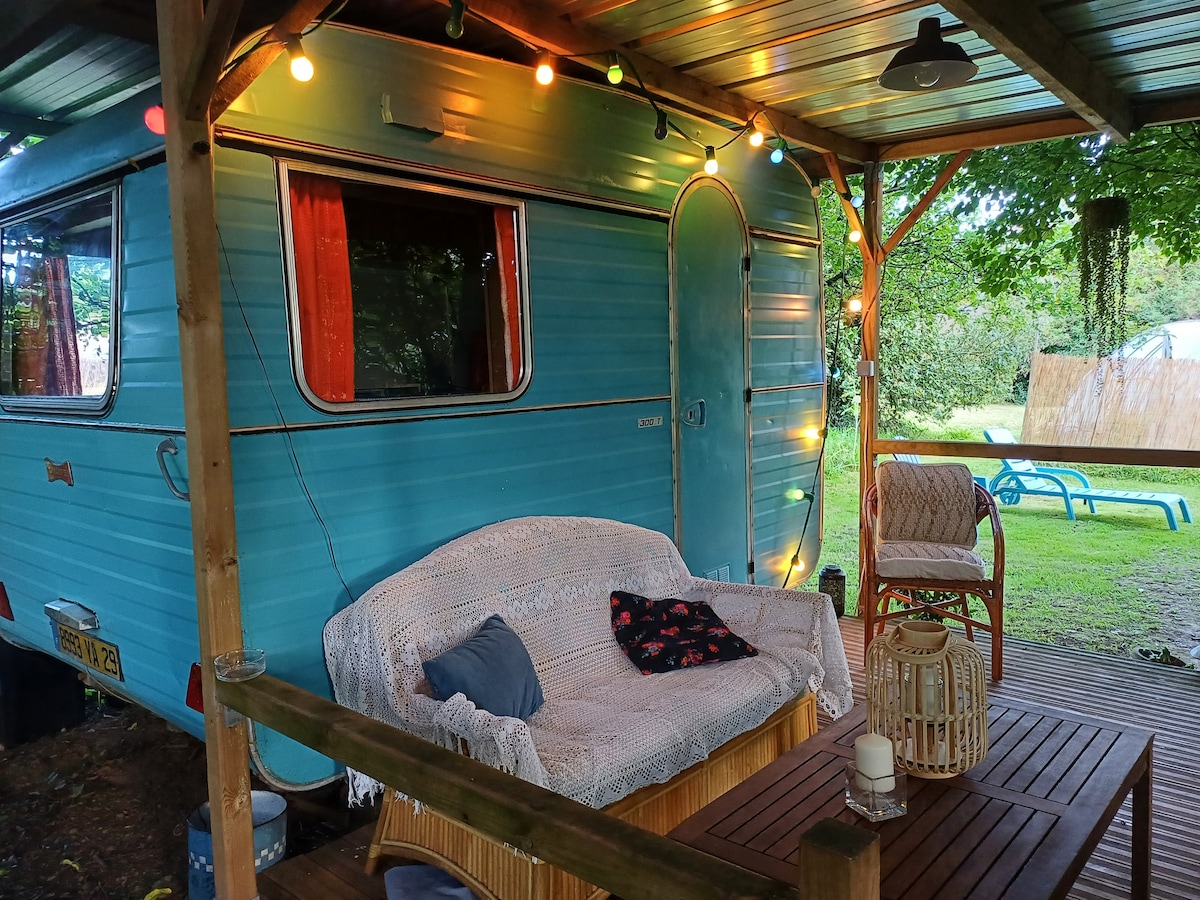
1103 267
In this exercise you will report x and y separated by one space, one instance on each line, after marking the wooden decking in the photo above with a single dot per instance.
1162 699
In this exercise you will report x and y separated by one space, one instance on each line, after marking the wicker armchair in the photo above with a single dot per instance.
921 527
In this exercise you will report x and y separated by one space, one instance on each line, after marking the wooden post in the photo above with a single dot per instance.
868 407
839 862
206 415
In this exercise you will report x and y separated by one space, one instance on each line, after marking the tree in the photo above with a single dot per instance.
1023 200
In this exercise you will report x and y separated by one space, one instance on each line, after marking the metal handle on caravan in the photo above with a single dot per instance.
695 414
165 446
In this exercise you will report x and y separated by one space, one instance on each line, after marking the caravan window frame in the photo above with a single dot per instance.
97 404
345 174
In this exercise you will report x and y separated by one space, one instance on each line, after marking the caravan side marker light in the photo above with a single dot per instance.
195 693
156 119
5 606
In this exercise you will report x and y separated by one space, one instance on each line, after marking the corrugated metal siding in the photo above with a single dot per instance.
150 388
783 462
87 150
787 338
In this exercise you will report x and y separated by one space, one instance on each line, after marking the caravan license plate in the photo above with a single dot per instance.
105 658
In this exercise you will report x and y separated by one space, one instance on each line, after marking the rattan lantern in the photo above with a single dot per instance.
927 693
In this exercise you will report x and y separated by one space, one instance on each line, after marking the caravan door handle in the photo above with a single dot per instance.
165 446
695 414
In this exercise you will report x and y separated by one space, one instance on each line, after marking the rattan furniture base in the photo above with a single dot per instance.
497 872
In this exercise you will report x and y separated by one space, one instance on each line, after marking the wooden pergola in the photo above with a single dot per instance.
1048 70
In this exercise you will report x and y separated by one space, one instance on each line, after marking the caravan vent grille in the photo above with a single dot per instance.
719 574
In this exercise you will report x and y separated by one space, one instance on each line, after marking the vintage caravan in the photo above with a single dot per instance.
451 296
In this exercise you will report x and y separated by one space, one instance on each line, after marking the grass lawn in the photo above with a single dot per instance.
1110 582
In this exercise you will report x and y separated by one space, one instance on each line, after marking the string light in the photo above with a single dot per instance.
855 236
856 201
660 129
615 73
454 25
813 434
301 65
797 563
795 494
545 68
777 153
854 304
710 160
756 138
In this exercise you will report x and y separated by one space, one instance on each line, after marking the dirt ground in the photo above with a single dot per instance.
97 812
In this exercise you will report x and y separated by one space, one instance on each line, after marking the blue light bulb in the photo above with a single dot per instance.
777 155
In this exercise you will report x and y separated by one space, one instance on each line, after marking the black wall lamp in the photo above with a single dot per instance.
928 64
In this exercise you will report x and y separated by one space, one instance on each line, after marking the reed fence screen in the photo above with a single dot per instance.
1143 403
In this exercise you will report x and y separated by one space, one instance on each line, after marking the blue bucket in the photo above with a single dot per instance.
270 841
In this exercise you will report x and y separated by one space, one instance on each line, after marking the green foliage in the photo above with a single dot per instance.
1023 201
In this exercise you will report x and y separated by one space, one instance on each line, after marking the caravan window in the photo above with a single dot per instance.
56 300
402 295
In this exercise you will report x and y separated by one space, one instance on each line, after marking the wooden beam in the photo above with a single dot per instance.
924 203
220 20
1021 31
28 24
209 463
868 405
599 848
30 125
1167 112
254 63
999 136
555 34
1114 456
833 168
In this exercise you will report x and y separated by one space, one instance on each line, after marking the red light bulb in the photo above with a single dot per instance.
156 120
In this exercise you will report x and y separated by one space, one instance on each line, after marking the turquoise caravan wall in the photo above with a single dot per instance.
328 503
337 501
116 540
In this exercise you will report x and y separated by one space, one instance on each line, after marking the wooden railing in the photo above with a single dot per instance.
1121 456
837 861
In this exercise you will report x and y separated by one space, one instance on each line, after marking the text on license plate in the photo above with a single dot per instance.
95 654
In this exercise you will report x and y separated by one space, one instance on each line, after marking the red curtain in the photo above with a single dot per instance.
510 300
62 357
322 260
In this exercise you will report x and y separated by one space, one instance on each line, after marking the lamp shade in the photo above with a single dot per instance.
929 64
927 693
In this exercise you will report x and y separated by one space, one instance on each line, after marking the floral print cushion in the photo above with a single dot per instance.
664 635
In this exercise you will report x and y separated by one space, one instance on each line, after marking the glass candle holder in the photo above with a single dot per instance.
876 799
240 665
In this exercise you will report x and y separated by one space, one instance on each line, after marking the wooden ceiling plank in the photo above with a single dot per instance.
560 37
242 74
212 47
1021 31
28 24
1001 136
706 22
914 214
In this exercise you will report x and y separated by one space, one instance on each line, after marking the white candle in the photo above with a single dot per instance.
874 759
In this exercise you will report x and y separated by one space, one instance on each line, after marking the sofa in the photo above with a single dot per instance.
651 748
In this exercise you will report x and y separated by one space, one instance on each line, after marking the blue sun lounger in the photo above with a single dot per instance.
1020 477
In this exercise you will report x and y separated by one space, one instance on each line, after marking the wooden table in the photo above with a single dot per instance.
1021 824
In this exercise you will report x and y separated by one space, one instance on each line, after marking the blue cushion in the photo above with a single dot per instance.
493 669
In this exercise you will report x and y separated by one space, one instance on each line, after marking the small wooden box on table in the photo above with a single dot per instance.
1021 824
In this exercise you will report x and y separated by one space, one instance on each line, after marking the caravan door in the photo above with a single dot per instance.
709 250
